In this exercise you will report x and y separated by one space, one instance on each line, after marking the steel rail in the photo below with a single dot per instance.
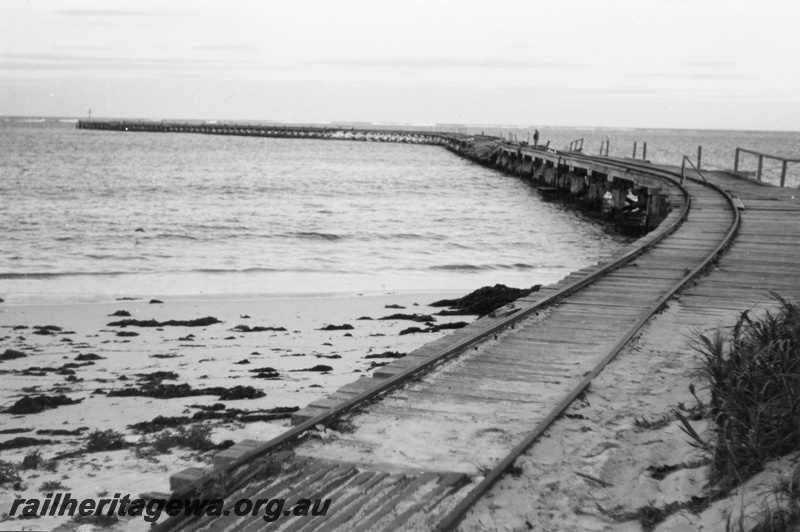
451 520
296 433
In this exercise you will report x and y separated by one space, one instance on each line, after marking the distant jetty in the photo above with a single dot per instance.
633 198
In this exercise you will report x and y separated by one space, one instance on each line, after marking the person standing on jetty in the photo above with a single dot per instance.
535 138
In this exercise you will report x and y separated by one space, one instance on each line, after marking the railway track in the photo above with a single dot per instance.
465 407
430 433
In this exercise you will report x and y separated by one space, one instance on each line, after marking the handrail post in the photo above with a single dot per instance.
736 162
644 151
760 165
783 173
683 170
699 156
634 149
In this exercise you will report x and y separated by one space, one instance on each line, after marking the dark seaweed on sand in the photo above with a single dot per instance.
33 404
343 327
159 423
199 322
46 330
386 354
435 328
10 354
14 431
171 391
245 328
483 300
318 367
22 441
157 376
89 356
421 318
232 414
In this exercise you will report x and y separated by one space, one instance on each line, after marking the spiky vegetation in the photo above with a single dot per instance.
196 437
754 380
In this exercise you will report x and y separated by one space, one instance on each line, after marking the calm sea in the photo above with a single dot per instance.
90 215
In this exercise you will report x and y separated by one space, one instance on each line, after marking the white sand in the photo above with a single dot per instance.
591 466
206 360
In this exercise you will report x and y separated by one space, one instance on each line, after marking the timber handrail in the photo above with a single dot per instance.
761 156
576 145
696 169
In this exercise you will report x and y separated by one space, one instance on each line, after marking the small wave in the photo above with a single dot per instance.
175 236
484 267
408 236
233 270
222 271
311 235
55 275
458 267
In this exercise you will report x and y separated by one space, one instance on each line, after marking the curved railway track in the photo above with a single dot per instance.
450 521
520 371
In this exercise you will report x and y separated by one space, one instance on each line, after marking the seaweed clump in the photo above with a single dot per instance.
483 300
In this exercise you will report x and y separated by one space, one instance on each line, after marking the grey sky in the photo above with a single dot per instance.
618 63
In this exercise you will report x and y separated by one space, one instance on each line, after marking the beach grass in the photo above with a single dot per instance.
753 375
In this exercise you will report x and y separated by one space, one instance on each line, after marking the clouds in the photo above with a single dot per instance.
422 63
576 62
103 13
60 63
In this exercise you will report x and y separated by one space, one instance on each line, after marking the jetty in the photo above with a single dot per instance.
418 443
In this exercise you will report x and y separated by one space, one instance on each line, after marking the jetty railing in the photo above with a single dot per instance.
696 168
576 145
761 156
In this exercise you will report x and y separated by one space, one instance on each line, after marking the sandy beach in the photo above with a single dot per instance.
272 345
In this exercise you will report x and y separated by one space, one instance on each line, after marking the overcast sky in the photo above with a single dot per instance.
716 64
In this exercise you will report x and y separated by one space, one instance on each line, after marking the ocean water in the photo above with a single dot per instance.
91 215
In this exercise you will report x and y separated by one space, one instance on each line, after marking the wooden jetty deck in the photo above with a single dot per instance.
423 450
416 444
764 257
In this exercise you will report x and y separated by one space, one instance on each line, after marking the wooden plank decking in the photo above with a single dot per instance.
414 453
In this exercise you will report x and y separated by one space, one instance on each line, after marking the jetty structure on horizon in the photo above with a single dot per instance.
467 406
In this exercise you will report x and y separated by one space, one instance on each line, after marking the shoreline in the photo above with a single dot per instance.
48 300
109 288
216 355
